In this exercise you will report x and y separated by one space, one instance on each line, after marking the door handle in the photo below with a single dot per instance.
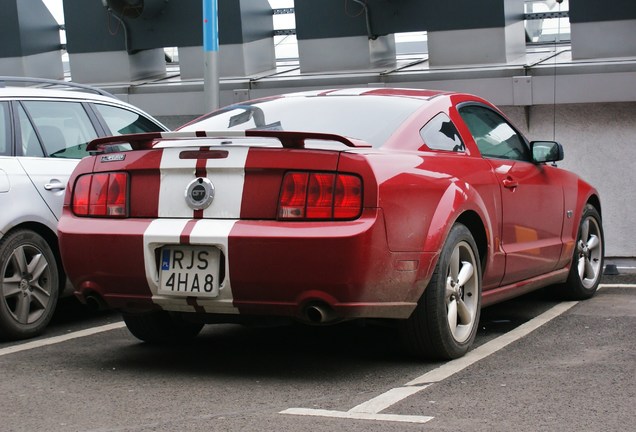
54 185
510 183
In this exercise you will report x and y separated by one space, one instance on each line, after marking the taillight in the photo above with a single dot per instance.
103 194
320 196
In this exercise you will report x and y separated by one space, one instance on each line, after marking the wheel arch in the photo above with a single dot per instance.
467 206
475 225
51 238
595 201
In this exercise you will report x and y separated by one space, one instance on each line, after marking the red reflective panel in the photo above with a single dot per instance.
104 194
98 195
347 197
80 195
293 196
320 196
117 187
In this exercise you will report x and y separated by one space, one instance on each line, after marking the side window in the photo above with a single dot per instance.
494 136
5 147
441 134
64 127
121 121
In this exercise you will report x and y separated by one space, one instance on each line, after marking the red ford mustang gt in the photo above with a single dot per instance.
414 205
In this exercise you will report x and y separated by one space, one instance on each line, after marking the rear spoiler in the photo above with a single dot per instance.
289 139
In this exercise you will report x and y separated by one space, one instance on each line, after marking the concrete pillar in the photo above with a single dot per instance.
603 29
103 48
332 37
30 40
466 32
246 41
100 47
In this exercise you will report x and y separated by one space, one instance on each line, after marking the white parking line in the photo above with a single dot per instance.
58 339
483 351
617 286
358 416
370 410
386 399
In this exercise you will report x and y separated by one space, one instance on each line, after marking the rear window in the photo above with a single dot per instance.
369 118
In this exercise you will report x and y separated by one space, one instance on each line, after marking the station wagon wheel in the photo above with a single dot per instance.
587 263
159 327
29 284
444 323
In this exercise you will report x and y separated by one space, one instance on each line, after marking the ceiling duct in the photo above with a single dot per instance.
135 8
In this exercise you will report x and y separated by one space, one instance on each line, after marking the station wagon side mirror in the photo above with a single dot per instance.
546 151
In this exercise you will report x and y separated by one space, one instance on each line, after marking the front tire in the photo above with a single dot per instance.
587 262
29 284
444 323
160 327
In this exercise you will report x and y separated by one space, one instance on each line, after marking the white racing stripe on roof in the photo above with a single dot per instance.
351 91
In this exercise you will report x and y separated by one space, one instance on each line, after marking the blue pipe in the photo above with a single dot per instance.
210 25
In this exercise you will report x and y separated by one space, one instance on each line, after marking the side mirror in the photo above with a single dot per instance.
546 151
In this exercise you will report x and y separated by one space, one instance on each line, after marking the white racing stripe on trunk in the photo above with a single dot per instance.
226 174
175 175
159 233
205 232
217 233
228 177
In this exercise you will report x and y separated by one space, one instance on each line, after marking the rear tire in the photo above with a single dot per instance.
29 284
444 323
160 327
587 261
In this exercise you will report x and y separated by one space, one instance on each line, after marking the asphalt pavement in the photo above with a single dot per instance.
538 365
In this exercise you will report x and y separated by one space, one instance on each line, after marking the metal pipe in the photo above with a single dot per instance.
318 313
210 55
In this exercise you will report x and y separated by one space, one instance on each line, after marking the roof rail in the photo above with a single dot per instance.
53 83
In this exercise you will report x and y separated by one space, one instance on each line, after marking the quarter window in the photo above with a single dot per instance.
494 136
121 121
441 134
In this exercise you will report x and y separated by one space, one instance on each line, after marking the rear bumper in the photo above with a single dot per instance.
271 268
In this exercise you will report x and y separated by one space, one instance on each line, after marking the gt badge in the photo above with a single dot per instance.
113 157
199 193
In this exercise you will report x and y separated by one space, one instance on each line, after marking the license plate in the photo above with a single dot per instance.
189 271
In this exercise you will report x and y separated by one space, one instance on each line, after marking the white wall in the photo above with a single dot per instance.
600 145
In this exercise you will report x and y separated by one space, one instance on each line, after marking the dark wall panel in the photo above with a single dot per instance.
582 11
89 28
27 28
340 18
